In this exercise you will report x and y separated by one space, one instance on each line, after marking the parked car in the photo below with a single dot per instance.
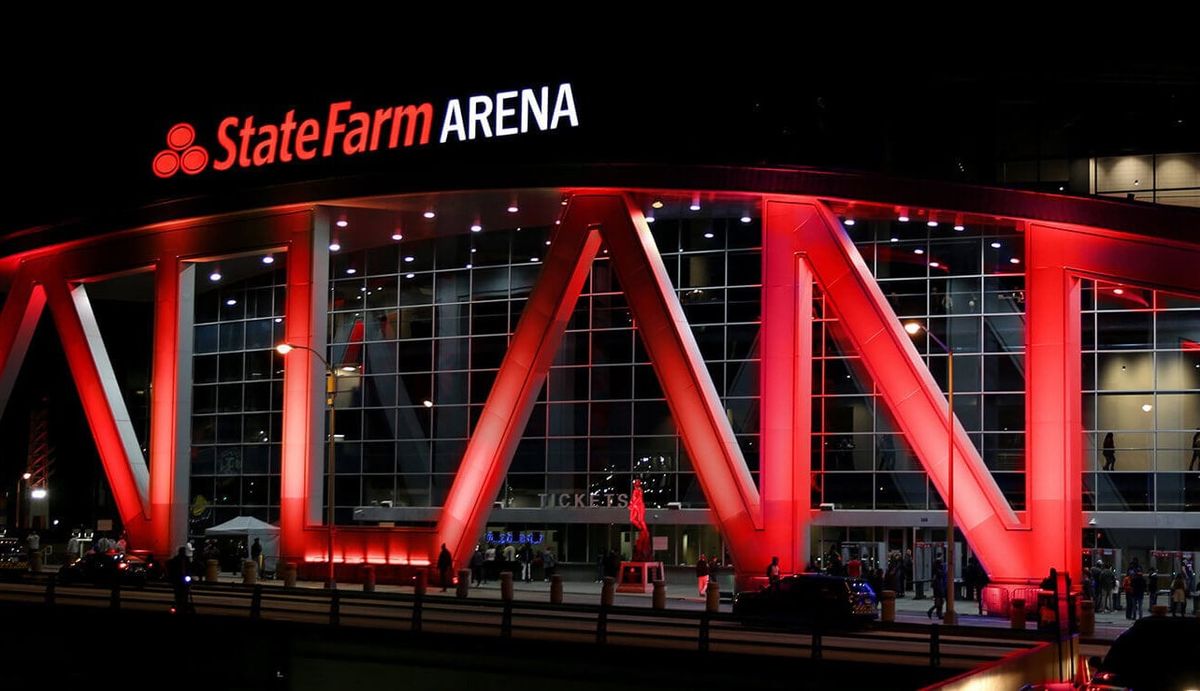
1154 653
809 600
104 569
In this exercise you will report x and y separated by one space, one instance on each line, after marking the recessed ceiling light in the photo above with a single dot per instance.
472 250
1146 407
231 302
352 271
1014 260
512 209
547 244
932 224
470 266
1118 291
278 320
918 251
475 227
214 276
410 275
695 206
709 235
268 259
334 247
397 236
959 227
657 203
903 219
934 264
410 258
427 403
995 245
848 221
747 219
429 214
895 239
342 223
649 219
533 259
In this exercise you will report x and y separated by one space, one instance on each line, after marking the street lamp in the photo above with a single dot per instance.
24 478
914 328
330 391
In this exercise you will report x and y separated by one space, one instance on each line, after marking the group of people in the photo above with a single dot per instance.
1108 449
708 569
489 560
1106 585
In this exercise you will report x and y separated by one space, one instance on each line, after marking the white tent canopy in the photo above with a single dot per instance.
250 527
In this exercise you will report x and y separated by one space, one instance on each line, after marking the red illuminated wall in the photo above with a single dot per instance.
803 243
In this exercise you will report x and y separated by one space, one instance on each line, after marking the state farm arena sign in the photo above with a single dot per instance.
242 142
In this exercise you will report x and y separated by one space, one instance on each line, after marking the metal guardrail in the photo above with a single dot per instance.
698 630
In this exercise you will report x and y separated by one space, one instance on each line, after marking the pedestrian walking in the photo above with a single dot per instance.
939 590
701 574
476 564
445 563
1178 595
773 573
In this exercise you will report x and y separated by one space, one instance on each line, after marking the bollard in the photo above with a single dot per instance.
1087 618
1158 611
368 579
211 570
35 561
660 595
556 591
421 583
1017 613
712 597
249 572
887 606
289 574
607 590
464 583
506 586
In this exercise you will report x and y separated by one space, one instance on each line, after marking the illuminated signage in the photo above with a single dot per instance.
582 501
343 130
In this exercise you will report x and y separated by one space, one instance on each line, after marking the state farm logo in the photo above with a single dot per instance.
244 142
180 154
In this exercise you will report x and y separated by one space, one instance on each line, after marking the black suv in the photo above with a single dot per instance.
1154 653
809 600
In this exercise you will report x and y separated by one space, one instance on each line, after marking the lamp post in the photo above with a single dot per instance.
913 328
330 391
20 480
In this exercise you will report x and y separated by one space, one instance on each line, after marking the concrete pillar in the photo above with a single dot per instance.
1017 614
607 590
556 589
249 572
712 597
1087 618
506 586
887 605
289 574
211 570
368 579
660 595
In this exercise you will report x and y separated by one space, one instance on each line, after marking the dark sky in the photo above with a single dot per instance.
79 133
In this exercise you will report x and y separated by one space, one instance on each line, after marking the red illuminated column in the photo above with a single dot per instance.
522 373
1054 421
170 405
18 321
699 416
303 391
103 405
786 377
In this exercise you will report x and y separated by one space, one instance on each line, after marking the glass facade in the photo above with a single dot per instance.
419 325
237 393
1141 384
965 284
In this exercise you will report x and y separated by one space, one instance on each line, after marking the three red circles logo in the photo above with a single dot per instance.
181 153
